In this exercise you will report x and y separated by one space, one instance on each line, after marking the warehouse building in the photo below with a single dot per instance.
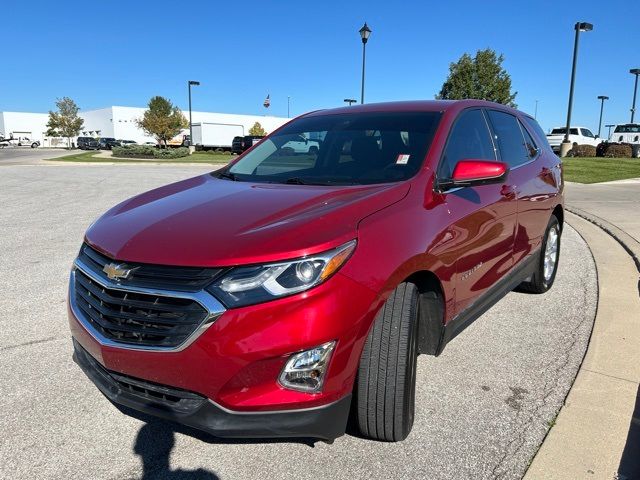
120 123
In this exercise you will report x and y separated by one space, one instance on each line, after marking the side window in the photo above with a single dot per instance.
509 137
587 133
529 143
469 139
533 125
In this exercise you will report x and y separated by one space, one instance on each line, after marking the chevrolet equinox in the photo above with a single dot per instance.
295 287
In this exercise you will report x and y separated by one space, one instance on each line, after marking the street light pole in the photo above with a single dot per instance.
535 113
365 31
609 132
194 83
288 103
579 27
636 72
602 98
350 101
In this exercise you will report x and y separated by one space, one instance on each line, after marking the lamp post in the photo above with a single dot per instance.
288 105
365 31
636 72
350 101
579 27
602 98
194 83
609 127
535 114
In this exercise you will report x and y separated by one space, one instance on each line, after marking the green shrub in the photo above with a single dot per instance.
582 151
171 152
618 150
148 151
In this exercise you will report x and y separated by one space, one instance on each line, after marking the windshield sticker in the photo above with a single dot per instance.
402 159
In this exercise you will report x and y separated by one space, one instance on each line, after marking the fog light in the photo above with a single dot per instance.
305 371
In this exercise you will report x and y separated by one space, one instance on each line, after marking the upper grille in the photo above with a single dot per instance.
137 319
184 279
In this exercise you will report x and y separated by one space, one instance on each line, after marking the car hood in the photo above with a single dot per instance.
205 221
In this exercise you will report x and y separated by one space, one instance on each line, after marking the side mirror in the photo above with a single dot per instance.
471 173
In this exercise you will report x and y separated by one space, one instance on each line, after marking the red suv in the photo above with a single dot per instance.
288 290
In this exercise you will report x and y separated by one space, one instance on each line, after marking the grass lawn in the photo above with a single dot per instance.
213 158
594 170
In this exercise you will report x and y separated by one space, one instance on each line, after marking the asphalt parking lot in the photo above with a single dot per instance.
483 406
30 156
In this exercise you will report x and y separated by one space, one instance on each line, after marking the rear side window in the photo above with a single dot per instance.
509 137
535 126
529 142
469 139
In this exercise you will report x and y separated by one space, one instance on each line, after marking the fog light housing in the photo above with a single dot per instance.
305 371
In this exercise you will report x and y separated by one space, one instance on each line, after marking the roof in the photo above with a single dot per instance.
412 106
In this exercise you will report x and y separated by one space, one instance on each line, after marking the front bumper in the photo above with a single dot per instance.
327 422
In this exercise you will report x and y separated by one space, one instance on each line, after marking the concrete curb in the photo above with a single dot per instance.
596 432
630 244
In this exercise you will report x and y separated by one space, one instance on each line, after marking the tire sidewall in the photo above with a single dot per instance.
547 284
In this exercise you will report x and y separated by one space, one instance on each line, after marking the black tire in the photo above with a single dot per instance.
386 383
538 282
34 145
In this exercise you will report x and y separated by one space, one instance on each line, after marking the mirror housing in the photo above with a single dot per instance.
472 173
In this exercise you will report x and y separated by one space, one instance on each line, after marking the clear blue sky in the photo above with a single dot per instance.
122 53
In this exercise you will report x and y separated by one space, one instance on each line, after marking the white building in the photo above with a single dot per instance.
119 123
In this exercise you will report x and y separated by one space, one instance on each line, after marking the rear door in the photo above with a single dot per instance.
483 217
531 175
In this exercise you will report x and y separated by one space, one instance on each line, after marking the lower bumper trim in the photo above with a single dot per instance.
187 408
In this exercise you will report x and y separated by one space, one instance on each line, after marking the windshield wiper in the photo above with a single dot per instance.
228 175
297 181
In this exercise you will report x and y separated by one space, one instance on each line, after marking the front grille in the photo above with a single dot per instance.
184 279
160 396
137 319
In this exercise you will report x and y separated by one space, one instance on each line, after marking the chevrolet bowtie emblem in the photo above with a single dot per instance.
117 271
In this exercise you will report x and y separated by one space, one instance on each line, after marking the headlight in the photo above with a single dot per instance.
260 283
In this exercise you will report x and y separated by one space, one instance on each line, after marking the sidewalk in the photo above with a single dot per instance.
597 432
616 202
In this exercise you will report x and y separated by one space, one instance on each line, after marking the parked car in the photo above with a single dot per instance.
267 300
302 144
107 143
626 133
240 144
126 142
579 135
19 142
87 143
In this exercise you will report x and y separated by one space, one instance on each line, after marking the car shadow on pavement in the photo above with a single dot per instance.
630 462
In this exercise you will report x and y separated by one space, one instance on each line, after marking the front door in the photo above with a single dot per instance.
483 217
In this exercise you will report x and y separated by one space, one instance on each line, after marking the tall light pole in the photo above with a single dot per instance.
350 101
609 127
365 31
636 72
194 83
579 27
602 98
288 105
535 113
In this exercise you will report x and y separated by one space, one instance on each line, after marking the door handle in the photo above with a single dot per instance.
508 191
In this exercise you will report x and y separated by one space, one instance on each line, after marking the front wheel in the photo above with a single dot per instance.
34 145
387 372
545 274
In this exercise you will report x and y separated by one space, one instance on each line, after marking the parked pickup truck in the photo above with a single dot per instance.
626 133
579 135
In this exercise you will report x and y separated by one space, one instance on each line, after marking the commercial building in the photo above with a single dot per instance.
120 123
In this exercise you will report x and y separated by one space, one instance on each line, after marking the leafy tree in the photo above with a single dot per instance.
65 122
480 77
257 130
162 119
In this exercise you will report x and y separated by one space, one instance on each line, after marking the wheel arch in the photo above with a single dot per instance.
431 311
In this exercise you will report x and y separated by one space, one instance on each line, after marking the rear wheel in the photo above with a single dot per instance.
387 373
545 274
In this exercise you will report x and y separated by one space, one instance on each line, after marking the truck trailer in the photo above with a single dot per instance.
213 136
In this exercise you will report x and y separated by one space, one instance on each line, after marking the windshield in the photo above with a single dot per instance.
361 148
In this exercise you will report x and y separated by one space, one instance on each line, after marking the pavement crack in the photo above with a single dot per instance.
26 344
